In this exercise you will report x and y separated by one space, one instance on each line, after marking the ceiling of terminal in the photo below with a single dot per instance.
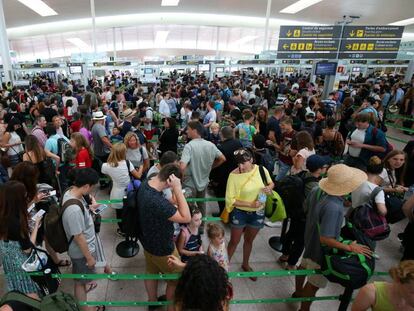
192 25
372 12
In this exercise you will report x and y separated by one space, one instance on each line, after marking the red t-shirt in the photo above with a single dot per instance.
83 159
75 126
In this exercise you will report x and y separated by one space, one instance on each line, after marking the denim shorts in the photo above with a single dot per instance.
240 219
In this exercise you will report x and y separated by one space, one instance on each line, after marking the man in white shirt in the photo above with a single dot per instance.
164 108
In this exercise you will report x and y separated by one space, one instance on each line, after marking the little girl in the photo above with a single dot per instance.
217 248
189 240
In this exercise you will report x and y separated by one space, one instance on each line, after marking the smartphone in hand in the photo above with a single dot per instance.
100 209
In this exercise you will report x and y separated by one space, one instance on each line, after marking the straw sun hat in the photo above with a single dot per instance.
342 180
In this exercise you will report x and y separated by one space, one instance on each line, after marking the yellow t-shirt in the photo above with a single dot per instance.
245 187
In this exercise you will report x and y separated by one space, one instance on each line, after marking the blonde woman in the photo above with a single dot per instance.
136 153
389 296
119 171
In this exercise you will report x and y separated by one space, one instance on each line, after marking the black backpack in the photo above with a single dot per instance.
292 191
130 214
65 151
265 159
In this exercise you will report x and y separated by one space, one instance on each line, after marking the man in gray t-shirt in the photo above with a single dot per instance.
325 215
101 143
79 227
198 158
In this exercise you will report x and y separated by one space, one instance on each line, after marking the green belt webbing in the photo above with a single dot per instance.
175 276
233 302
399 127
399 116
114 220
189 200
397 139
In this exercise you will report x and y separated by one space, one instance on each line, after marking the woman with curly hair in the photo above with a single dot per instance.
203 285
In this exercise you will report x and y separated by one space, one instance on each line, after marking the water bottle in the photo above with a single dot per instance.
262 198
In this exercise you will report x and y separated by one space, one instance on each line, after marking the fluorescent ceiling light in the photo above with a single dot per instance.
299 6
404 22
161 37
169 2
79 43
39 7
244 40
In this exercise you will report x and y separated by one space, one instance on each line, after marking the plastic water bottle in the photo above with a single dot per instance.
262 198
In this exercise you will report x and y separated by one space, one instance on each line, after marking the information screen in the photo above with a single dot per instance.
203 67
220 69
326 69
75 69
148 71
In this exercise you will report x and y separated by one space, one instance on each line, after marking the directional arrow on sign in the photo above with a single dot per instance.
352 33
289 33
348 46
285 46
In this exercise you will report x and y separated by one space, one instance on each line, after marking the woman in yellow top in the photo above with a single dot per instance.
385 296
245 194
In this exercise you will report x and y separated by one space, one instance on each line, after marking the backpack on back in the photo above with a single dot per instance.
266 160
388 147
292 191
57 301
130 214
65 151
54 230
367 219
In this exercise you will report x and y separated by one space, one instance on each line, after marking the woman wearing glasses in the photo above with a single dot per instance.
245 201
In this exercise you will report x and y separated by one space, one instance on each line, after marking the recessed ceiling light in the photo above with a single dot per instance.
79 43
299 6
161 37
39 7
169 2
404 22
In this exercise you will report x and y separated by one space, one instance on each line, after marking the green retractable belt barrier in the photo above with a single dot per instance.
399 127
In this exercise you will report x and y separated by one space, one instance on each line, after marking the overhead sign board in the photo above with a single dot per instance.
217 62
184 62
117 64
370 45
154 63
299 55
256 62
291 61
369 55
310 45
50 65
308 32
373 32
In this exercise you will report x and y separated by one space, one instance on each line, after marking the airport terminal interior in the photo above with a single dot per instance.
206 155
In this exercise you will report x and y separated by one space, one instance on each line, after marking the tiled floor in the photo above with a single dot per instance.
263 258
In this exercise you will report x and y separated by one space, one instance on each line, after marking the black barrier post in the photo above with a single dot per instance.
276 242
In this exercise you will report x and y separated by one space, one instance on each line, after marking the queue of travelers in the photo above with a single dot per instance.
239 138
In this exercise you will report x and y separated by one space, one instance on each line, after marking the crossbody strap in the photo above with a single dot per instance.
66 205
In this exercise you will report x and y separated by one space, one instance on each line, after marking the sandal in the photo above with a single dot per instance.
249 269
63 263
283 259
100 308
91 286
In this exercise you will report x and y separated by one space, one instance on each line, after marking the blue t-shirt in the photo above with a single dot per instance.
52 144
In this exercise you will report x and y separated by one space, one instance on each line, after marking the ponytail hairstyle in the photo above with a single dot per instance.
404 272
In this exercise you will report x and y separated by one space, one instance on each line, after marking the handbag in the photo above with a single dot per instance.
394 205
40 261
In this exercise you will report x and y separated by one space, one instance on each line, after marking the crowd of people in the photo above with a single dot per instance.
239 138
